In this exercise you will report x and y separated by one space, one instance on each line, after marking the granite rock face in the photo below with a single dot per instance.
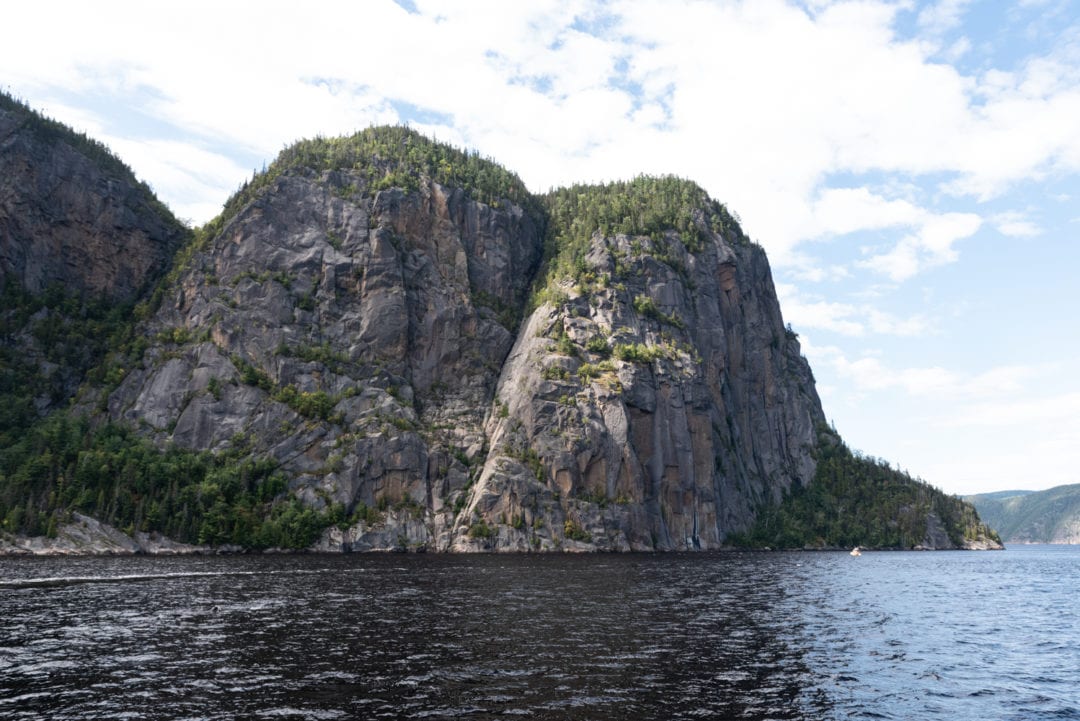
655 410
376 344
356 337
409 341
73 216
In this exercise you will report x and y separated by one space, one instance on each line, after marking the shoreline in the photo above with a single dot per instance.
87 537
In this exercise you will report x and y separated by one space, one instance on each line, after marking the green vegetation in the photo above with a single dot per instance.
394 156
63 465
646 306
573 531
56 465
859 501
280 277
589 371
251 375
639 352
332 359
554 373
599 346
508 316
310 404
48 343
481 529
644 206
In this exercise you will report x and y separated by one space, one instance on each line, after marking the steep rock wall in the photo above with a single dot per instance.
652 409
364 340
354 336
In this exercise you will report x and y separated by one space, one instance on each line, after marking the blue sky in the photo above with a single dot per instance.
912 168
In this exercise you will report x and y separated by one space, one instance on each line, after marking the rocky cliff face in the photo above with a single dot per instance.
354 336
80 239
653 410
392 344
72 215
369 341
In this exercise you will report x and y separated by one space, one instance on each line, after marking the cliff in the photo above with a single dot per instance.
73 215
386 343
80 241
654 398
1050 516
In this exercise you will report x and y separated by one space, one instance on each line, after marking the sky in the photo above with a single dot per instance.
911 168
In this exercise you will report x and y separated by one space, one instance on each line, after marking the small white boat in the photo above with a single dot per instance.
856 552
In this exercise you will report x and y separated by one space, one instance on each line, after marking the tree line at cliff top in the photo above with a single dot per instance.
54 465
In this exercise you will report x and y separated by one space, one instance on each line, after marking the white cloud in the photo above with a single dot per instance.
1013 412
871 373
846 319
805 267
1015 225
931 246
942 16
957 50
1008 426
759 101
845 210
931 238
835 317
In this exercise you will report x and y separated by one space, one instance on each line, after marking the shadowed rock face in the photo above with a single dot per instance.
375 344
67 218
75 222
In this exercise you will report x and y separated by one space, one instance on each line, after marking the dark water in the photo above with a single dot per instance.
754 636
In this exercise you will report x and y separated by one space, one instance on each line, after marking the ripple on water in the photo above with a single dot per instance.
757 636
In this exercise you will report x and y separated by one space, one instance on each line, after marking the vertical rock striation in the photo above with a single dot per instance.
654 408
354 335
80 240
375 344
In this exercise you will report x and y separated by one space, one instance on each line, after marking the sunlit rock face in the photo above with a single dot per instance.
653 410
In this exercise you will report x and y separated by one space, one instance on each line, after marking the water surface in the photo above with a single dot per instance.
741 635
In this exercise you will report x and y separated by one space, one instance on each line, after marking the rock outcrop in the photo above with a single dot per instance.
356 337
79 237
654 410
86 536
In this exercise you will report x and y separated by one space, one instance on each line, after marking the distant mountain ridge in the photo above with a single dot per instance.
1050 516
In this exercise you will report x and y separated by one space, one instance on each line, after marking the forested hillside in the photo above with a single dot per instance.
855 500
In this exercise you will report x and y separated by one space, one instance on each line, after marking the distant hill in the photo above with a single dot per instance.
1050 516
1001 495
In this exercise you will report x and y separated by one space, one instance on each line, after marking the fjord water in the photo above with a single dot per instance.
739 635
